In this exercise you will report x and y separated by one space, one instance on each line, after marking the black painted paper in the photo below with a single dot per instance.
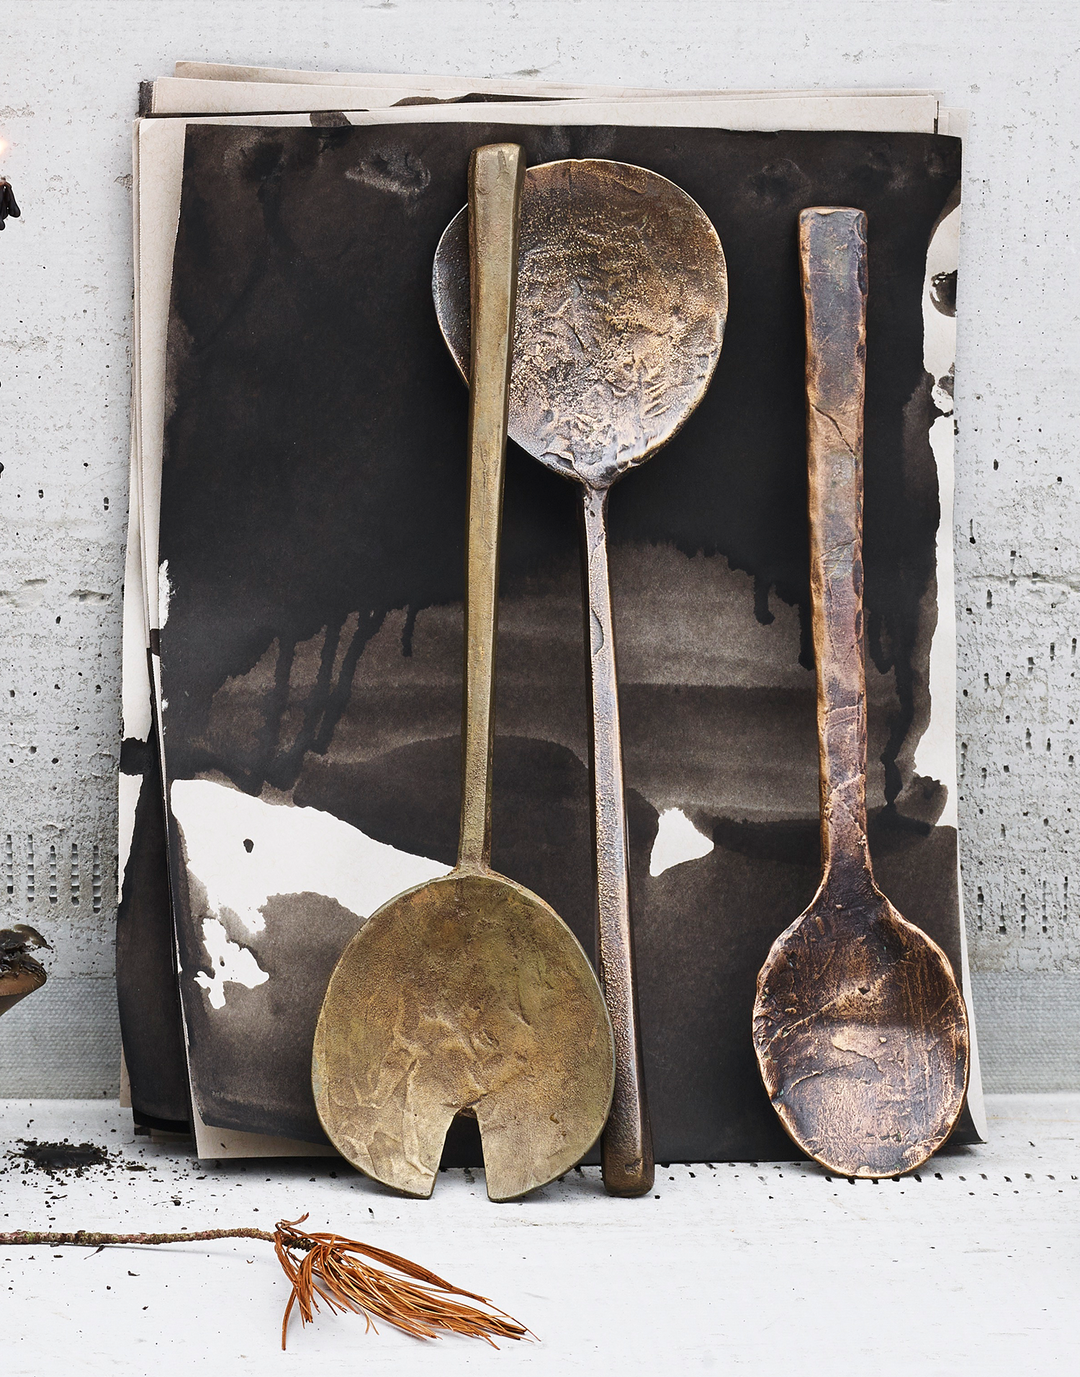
312 523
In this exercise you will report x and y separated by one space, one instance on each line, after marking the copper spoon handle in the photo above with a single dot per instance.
832 250
496 172
626 1147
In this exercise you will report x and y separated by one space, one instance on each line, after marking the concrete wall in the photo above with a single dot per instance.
69 74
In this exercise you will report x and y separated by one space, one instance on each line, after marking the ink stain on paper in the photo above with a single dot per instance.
313 518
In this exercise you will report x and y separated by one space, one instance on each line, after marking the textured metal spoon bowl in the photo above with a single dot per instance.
621 307
467 994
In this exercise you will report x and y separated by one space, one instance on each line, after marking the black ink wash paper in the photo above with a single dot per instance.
149 1007
312 525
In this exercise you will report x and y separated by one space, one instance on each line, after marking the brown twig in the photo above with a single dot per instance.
84 1239
328 1267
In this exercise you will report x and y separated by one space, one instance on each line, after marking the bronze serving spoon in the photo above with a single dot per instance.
622 301
469 994
860 1030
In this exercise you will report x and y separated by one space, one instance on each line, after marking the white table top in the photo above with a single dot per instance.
971 1266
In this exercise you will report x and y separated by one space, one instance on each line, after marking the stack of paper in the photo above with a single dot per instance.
292 632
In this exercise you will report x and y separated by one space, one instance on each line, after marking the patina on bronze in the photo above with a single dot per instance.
622 301
860 1030
469 994
20 973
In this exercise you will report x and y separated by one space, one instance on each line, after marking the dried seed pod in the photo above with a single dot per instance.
8 205
20 973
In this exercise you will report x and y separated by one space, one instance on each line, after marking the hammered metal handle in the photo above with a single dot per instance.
832 250
496 172
626 1147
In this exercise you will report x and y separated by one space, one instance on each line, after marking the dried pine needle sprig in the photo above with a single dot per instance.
348 1283
329 1267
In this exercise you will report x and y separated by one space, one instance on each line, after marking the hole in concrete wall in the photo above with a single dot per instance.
63 880
95 879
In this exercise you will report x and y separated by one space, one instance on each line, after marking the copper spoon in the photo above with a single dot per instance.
860 1030
469 994
622 301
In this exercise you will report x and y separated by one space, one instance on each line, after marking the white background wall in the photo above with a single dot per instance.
69 74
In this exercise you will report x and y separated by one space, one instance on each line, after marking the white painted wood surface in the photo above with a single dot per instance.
972 1266
70 72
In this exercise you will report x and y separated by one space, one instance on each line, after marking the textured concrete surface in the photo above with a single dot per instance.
732 1268
70 72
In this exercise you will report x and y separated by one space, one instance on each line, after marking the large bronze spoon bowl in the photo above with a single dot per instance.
622 302
859 1026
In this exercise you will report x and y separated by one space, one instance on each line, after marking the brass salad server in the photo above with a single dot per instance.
469 994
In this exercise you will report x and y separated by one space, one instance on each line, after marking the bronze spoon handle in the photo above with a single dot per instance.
626 1147
832 250
496 172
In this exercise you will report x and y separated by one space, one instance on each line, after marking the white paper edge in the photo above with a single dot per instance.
901 113
428 84
212 1143
935 754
